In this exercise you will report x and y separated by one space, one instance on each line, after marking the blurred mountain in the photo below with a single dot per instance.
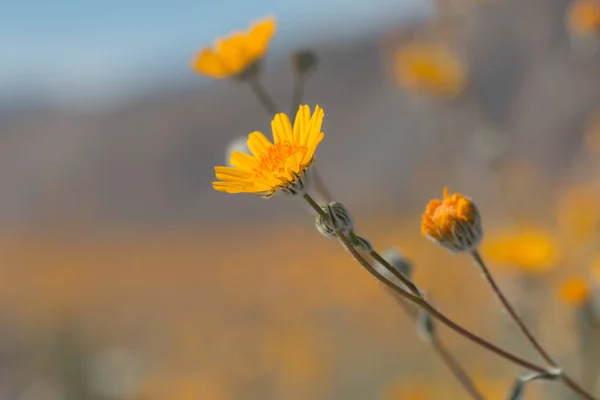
152 159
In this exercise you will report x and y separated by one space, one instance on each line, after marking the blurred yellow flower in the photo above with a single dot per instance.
528 249
453 222
579 213
583 16
430 67
236 53
275 166
575 291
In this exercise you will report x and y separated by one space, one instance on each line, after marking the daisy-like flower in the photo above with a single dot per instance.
279 166
453 223
236 55
430 67
583 17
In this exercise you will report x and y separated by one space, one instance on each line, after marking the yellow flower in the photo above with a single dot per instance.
236 53
583 16
453 222
579 213
275 166
430 67
528 249
575 291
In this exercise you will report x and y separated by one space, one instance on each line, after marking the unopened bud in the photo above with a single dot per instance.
338 220
304 62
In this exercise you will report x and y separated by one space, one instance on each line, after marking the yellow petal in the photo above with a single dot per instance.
311 148
208 63
258 143
234 188
243 161
301 123
282 128
260 35
232 174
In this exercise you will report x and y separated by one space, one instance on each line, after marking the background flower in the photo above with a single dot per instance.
233 54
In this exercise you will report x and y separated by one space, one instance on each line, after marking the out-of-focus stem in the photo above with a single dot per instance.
262 96
298 91
523 328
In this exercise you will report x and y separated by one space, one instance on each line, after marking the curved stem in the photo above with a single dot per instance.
511 311
409 284
423 303
262 96
523 328
457 370
298 91
447 358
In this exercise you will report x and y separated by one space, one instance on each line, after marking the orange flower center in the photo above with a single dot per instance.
275 160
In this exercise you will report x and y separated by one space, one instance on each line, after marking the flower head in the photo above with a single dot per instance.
237 53
453 222
583 17
529 249
281 165
575 291
430 67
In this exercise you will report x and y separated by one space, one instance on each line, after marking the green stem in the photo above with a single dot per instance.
423 303
262 96
523 328
297 92
448 359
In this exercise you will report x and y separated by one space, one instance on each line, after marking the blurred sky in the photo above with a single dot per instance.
75 50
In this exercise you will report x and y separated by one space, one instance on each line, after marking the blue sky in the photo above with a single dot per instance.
88 50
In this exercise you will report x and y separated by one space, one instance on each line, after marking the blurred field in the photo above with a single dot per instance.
124 276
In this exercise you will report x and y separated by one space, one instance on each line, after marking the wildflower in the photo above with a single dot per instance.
583 17
530 249
453 223
238 54
339 220
575 291
279 166
430 67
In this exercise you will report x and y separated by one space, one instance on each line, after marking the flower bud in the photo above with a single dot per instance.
453 223
339 220
304 62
